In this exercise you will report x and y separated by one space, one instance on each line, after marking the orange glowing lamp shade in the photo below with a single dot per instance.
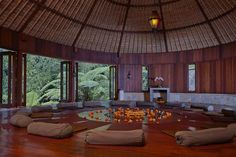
154 20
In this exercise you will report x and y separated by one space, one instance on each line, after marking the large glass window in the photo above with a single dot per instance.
144 78
191 77
93 81
43 80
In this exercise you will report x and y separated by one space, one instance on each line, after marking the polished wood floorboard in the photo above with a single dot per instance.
15 142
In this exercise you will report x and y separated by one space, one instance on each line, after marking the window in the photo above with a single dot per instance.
144 78
191 77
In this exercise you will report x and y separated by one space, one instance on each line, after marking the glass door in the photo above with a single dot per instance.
12 79
69 81
113 83
64 81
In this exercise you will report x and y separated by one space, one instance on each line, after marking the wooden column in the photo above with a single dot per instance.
17 83
61 83
76 82
71 82
10 84
1 75
24 78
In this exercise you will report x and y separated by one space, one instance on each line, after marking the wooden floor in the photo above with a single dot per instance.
15 142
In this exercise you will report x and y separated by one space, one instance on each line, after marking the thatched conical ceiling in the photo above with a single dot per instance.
121 26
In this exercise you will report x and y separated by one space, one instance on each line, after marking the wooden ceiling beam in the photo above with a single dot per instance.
123 27
36 10
208 22
85 22
163 26
141 5
119 31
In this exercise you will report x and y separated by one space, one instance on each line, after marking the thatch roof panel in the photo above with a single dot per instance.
181 14
226 28
107 15
121 26
215 8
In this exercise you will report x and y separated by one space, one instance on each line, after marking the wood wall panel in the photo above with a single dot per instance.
95 57
211 76
218 77
216 72
134 84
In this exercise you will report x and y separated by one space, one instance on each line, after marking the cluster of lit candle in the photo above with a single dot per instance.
138 115
97 115
127 115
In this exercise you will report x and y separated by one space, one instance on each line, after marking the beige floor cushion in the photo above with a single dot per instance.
228 112
24 111
69 106
232 128
93 104
43 108
203 137
60 130
20 120
108 137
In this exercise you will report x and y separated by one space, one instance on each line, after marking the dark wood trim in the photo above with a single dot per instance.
144 5
85 22
10 60
61 82
163 26
208 22
71 81
28 44
76 81
1 79
18 80
123 28
25 79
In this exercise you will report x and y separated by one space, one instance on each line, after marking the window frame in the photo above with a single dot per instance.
188 71
147 67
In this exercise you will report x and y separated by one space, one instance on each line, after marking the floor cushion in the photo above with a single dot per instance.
69 106
203 137
59 130
228 112
122 103
20 120
110 137
24 111
43 108
232 128
93 104
144 104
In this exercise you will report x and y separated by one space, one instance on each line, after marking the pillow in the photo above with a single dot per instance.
232 128
59 130
110 137
228 112
122 103
203 137
93 104
69 106
24 111
43 108
145 104
20 120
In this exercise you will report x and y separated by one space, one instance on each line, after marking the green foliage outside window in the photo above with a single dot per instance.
43 81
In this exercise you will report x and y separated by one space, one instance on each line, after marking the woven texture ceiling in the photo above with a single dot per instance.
121 26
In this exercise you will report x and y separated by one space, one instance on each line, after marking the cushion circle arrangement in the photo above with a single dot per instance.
232 128
110 137
20 120
61 130
204 137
